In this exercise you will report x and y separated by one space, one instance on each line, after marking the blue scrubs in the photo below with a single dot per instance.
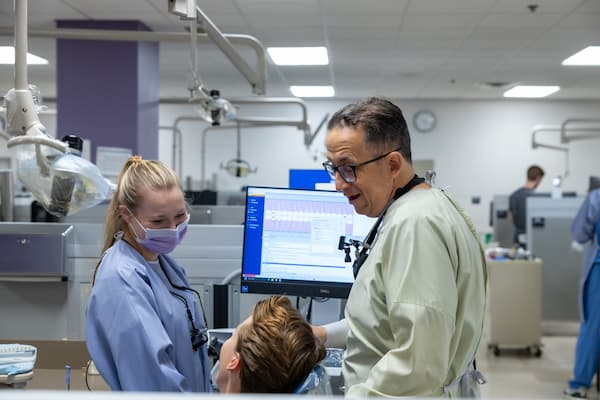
138 333
586 228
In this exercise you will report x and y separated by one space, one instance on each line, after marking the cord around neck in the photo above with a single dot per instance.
368 242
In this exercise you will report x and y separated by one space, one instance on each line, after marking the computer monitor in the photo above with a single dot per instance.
291 242
308 178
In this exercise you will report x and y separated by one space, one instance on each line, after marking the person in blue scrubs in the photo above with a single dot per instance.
145 326
586 228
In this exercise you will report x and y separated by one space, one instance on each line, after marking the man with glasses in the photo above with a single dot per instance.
415 312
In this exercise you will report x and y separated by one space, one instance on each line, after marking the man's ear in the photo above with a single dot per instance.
235 363
395 163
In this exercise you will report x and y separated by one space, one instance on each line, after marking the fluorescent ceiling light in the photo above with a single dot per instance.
312 91
299 55
7 56
588 56
531 91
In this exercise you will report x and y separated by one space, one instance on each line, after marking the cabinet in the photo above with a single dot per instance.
515 305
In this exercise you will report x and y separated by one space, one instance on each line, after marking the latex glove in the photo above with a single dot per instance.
576 246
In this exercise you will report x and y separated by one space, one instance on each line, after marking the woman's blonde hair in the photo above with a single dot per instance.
278 349
136 175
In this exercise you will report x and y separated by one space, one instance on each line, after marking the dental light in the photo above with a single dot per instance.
212 107
52 170
238 167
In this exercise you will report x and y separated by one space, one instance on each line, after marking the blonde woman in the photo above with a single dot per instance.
145 325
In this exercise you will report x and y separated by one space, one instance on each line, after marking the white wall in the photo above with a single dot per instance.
480 148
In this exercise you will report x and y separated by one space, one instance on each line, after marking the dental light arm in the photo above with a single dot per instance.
212 107
52 170
39 140
21 109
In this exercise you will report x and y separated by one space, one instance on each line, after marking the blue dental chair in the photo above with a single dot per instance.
317 382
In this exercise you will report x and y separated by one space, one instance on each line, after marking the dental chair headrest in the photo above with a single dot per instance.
315 379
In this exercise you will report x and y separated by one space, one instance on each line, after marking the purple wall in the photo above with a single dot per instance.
107 91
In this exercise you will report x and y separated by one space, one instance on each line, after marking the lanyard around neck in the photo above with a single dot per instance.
368 242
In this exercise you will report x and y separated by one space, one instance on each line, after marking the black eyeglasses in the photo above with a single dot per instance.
348 171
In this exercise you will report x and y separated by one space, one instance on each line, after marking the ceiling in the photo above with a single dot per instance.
416 49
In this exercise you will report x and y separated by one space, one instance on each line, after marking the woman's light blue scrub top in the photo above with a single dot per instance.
138 333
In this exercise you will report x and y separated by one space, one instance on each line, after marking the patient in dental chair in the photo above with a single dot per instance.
273 351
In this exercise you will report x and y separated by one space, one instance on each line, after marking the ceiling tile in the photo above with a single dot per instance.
364 8
111 9
361 20
524 22
359 32
279 7
415 34
400 47
53 8
291 37
543 6
581 21
440 21
211 7
516 34
589 6
281 23
450 7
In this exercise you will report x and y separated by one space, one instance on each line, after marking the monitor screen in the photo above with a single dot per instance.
291 242
308 178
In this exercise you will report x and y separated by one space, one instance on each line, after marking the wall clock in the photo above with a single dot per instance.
424 121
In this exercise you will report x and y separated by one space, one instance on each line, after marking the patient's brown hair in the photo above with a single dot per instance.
278 349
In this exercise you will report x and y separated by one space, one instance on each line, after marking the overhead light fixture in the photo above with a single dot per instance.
588 56
312 91
7 56
526 91
299 55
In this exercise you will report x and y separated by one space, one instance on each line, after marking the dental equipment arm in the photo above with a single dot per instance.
49 168
22 116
